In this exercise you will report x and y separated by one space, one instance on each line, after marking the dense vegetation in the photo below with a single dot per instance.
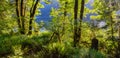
69 34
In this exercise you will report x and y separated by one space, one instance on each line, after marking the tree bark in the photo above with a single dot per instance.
81 18
20 11
77 27
118 47
32 13
112 31
18 15
22 16
75 22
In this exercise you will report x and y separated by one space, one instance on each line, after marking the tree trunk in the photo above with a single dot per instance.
75 22
112 32
18 15
81 18
32 13
22 9
94 44
118 47
77 27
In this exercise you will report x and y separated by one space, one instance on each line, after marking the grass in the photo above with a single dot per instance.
22 46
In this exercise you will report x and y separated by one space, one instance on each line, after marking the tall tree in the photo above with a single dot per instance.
20 8
75 23
78 25
81 18
21 14
32 14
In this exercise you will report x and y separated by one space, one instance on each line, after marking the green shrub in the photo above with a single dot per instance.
5 47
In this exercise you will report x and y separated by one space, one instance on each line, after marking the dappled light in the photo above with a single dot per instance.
59 28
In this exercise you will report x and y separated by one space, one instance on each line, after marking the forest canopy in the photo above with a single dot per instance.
59 29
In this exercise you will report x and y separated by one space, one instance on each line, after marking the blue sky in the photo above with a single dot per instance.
88 5
45 12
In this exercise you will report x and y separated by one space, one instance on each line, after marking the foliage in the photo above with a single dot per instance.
57 39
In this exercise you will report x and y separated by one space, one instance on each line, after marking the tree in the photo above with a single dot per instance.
21 10
20 14
81 17
32 14
75 23
78 25
6 9
61 21
106 11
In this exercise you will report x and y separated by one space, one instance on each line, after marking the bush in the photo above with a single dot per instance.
30 46
5 47
7 42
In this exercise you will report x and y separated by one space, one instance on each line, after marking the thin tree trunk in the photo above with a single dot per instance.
81 18
20 11
18 15
118 48
119 31
112 32
32 13
75 22
77 27
22 16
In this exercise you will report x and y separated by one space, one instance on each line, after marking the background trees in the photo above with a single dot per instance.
6 9
75 30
